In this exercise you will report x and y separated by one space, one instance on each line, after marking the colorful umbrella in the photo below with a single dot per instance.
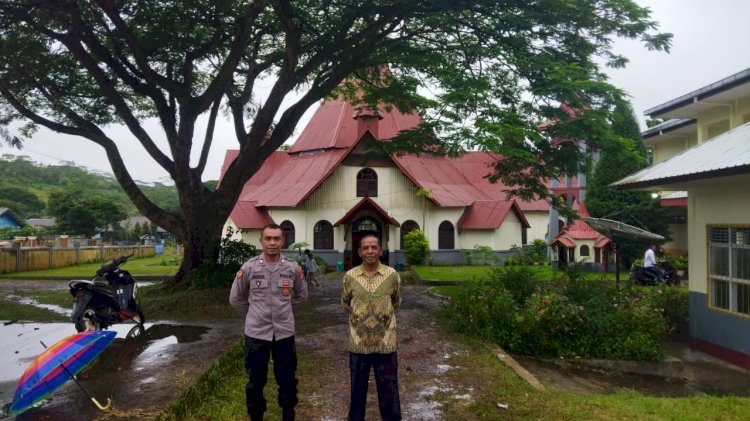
59 363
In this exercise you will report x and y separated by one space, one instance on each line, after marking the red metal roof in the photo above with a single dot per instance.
286 180
580 230
333 126
246 215
366 204
564 241
490 214
602 242
459 181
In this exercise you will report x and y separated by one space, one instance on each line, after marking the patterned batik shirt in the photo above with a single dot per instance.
371 302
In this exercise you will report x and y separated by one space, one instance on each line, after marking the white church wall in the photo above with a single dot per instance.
539 221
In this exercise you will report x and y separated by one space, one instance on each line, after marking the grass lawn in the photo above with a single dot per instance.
157 265
11 310
467 273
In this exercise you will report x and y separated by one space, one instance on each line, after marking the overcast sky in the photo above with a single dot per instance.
710 43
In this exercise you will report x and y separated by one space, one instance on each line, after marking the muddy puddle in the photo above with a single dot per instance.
657 378
128 366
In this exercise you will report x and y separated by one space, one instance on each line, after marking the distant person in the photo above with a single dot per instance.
311 268
265 291
649 262
371 293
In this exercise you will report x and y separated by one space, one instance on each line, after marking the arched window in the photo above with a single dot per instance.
407 227
287 227
585 251
445 236
367 183
323 236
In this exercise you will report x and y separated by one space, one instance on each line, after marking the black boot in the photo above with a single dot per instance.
256 416
287 415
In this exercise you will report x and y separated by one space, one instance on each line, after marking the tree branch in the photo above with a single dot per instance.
209 137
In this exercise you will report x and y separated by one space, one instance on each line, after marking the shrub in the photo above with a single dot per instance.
567 317
416 247
480 255
520 281
232 255
484 309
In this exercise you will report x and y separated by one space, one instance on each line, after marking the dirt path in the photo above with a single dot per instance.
422 352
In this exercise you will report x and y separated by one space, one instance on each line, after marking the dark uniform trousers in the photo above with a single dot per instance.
386 380
284 354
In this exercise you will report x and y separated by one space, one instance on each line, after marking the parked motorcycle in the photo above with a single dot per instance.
640 276
108 298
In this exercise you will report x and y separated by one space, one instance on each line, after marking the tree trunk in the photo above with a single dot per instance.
202 243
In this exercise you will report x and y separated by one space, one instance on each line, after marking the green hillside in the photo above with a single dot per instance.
25 186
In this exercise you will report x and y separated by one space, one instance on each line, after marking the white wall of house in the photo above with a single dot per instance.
711 204
580 258
504 238
539 221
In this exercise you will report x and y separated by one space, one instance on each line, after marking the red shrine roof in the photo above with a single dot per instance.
366 204
580 230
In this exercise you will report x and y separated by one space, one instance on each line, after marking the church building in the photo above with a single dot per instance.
336 184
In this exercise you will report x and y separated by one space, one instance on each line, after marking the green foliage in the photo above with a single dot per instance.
680 262
416 247
25 203
29 184
568 317
480 255
232 255
623 157
78 213
536 252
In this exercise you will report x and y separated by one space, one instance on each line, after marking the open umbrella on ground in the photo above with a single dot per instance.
59 363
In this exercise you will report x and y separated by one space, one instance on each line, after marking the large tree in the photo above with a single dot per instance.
493 72
76 213
624 156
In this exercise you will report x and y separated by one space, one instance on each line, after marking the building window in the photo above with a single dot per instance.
407 227
367 224
729 268
445 236
524 236
585 251
287 227
367 183
323 236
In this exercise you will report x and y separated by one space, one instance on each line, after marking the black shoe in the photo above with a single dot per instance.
287 415
256 416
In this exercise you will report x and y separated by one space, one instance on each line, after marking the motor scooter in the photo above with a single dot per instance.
640 276
108 298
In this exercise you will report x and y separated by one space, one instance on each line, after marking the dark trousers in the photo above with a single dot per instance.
386 380
257 353
654 271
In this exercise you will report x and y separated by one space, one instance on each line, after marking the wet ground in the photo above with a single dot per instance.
142 373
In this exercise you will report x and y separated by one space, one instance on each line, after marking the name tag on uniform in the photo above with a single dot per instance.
285 282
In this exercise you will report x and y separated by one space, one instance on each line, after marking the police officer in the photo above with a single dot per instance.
264 292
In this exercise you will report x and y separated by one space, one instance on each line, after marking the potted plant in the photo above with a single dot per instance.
680 264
